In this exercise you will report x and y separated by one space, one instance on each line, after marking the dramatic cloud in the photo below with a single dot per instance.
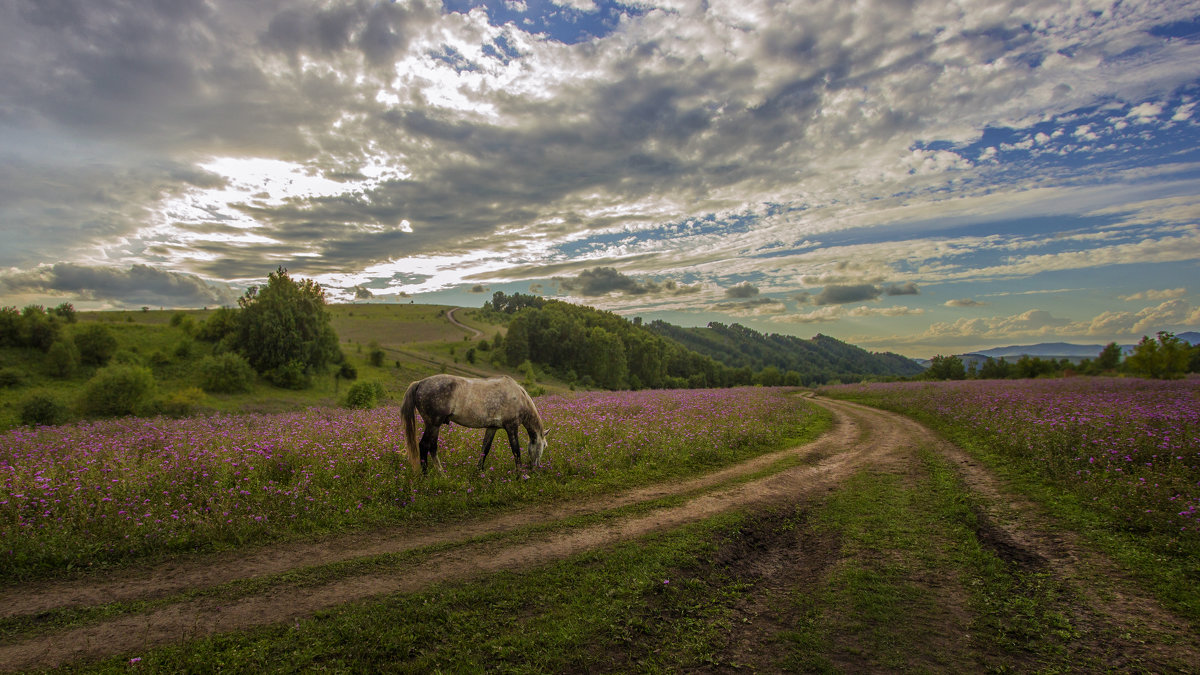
418 151
362 293
604 280
840 295
138 285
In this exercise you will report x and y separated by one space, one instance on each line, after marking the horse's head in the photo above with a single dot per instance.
536 447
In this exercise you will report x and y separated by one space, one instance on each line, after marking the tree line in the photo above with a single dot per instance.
1162 357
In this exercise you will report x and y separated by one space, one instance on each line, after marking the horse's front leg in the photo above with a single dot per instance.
487 444
514 442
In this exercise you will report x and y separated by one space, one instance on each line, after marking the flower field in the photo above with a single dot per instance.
1128 449
122 489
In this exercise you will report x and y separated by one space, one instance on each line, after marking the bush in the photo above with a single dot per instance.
42 409
222 323
96 344
376 355
127 357
184 348
38 329
62 359
65 311
348 371
183 402
118 390
11 377
226 373
289 376
365 395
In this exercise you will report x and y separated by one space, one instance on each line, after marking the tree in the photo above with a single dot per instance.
1165 358
96 344
285 326
1109 358
946 368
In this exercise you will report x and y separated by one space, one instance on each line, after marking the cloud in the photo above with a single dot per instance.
840 295
898 310
479 288
821 315
362 293
138 285
908 288
600 281
1169 314
964 302
1165 294
742 290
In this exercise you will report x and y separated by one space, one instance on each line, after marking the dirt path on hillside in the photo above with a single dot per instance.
475 333
860 437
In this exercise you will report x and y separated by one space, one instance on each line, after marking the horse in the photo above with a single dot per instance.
493 404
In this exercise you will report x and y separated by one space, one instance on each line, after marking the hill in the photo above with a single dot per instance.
818 360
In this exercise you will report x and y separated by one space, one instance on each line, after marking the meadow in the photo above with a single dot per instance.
1116 458
104 492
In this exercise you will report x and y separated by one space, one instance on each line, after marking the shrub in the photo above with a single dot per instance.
118 390
376 355
66 312
348 371
127 357
365 395
184 348
38 329
289 376
222 323
62 359
226 373
42 409
96 344
11 377
159 359
182 403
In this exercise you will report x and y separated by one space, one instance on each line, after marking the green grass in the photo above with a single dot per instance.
1167 564
417 339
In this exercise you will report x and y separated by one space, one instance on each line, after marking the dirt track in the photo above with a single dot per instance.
860 437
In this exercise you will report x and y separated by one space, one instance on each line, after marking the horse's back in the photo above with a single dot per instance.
490 402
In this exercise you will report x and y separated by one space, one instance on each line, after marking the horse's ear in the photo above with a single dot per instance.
546 433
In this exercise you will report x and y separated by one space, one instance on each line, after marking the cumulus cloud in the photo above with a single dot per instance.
1169 314
601 281
479 288
964 302
742 290
1165 294
138 285
908 288
362 293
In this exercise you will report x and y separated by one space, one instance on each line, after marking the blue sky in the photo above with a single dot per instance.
925 178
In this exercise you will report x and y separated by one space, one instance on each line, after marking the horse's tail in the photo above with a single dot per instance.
407 408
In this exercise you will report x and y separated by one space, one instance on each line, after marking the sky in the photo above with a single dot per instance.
908 176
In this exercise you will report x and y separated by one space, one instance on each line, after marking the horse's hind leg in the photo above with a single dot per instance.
514 442
429 447
487 445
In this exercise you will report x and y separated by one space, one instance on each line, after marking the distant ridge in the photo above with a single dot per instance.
819 359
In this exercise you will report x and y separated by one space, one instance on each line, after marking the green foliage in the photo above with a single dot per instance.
365 395
946 368
184 348
511 304
284 330
347 371
1165 358
62 359
42 409
226 373
12 377
127 357
182 402
65 311
1109 358
995 370
37 329
376 354
289 376
117 390
96 344
221 323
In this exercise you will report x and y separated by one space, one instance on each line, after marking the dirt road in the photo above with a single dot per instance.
861 437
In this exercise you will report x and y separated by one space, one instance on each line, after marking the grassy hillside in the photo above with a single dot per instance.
417 341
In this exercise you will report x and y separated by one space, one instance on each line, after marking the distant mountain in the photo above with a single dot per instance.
1191 337
818 359
1045 349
